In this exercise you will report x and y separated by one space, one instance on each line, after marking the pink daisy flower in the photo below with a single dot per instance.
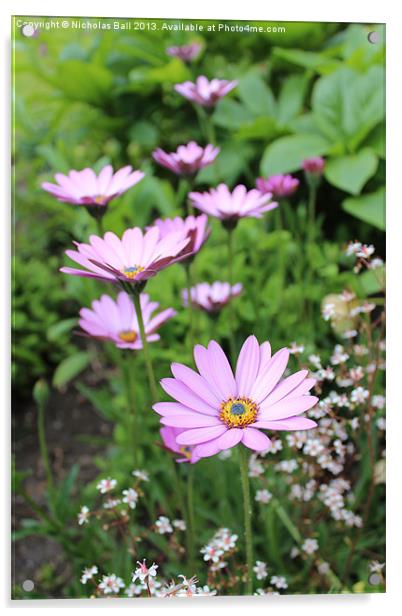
211 297
116 320
204 92
132 259
185 52
314 165
86 188
231 206
278 185
188 159
217 410
186 452
194 228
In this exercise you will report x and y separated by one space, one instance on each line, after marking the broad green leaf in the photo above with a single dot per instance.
307 59
256 95
83 82
69 368
287 153
369 208
59 329
231 114
265 128
376 140
350 173
291 98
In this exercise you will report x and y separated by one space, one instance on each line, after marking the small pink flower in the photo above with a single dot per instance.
186 452
194 228
116 320
231 206
188 159
217 410
133 259
314 165
86 188
185 52
211 297
204 92
278 185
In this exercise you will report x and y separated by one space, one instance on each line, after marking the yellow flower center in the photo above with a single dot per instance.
100 199
186 451
238 412
128 336
132 271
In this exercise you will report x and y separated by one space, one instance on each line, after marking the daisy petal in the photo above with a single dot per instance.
254 439
200 435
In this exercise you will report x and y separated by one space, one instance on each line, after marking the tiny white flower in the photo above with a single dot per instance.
111 584
141 475
106 485
130 497
263 496
279 581
179 524
260 570
310 546
83 516
88 574
143 572
163 525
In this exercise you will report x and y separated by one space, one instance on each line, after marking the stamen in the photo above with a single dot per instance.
132 271
128 336
238 412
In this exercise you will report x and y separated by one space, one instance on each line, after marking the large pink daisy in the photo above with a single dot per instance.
117 321
217 410
188 159
204 92
86 188
229 205
132 259
195 228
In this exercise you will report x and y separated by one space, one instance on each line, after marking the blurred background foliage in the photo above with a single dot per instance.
87 98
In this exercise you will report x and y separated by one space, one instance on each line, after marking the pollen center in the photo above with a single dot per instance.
132 271
238 412
128 336
186 451
100 199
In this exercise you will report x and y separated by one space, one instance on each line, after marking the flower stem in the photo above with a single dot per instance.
131 405
190 306
190 516
145 347
232 343
247 518
43 448
311 209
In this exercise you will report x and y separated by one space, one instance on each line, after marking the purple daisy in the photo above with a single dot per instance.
132 259
231 206
204 92
187 53
211 297
188 159
117 321
278 185
194 228
86 188
169 436
217 410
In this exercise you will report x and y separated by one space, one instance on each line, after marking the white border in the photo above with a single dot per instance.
286 10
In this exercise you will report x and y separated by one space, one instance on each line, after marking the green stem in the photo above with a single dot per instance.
232 344
43 449
247 518
190 306
190 516
311 210
131 404
145 348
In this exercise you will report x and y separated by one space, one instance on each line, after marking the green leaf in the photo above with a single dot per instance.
261 128
348 105
369 208
231 114
307 59
79 81
291 98
286 154
350 173
57 330
256 95
69 368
